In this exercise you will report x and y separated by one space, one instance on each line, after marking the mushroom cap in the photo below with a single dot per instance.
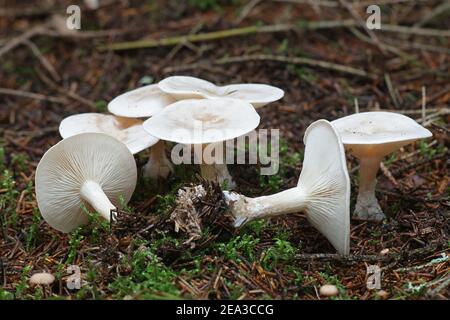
66 166
328 290
201 121
325 178
42 278
183 87
143 102
378 132
126 130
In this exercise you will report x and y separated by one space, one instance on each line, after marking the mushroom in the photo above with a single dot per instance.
42 279
322 192
145 102
328 290
89 168
206 124
183 87
127 130
370 136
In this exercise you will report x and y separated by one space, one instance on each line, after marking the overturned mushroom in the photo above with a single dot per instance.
322 192
145 102
183 87
206 124
370 136
127 130
90 168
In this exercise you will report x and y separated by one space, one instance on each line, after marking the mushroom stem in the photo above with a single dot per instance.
217 172
93 194
367 207
158 165
322 192
246 209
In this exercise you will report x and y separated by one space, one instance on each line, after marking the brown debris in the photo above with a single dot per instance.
198 206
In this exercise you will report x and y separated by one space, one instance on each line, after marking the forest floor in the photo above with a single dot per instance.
48 73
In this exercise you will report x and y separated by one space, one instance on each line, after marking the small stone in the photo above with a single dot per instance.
42 278
383 295
384 252
328 290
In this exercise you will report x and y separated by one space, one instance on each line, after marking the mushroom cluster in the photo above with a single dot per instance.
130 109
205 125
94 164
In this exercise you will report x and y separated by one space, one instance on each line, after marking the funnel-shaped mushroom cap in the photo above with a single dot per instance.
65 167
324 175
201 121
378 133
126 130
181 87
140 103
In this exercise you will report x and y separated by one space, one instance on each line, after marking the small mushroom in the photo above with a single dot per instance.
382 294
127 130
206 124
370 136
328 290
183 87
42 278
145 102
89 168
322 192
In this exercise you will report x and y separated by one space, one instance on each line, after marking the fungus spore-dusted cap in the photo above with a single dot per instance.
127 130
384 131
325 176
201 121
143 102
183 87
65 167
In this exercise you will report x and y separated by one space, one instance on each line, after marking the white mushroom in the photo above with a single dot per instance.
322 192
328 290
183 87
90 168
145 102
205 123
370 136
42 278
158 165
127 130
